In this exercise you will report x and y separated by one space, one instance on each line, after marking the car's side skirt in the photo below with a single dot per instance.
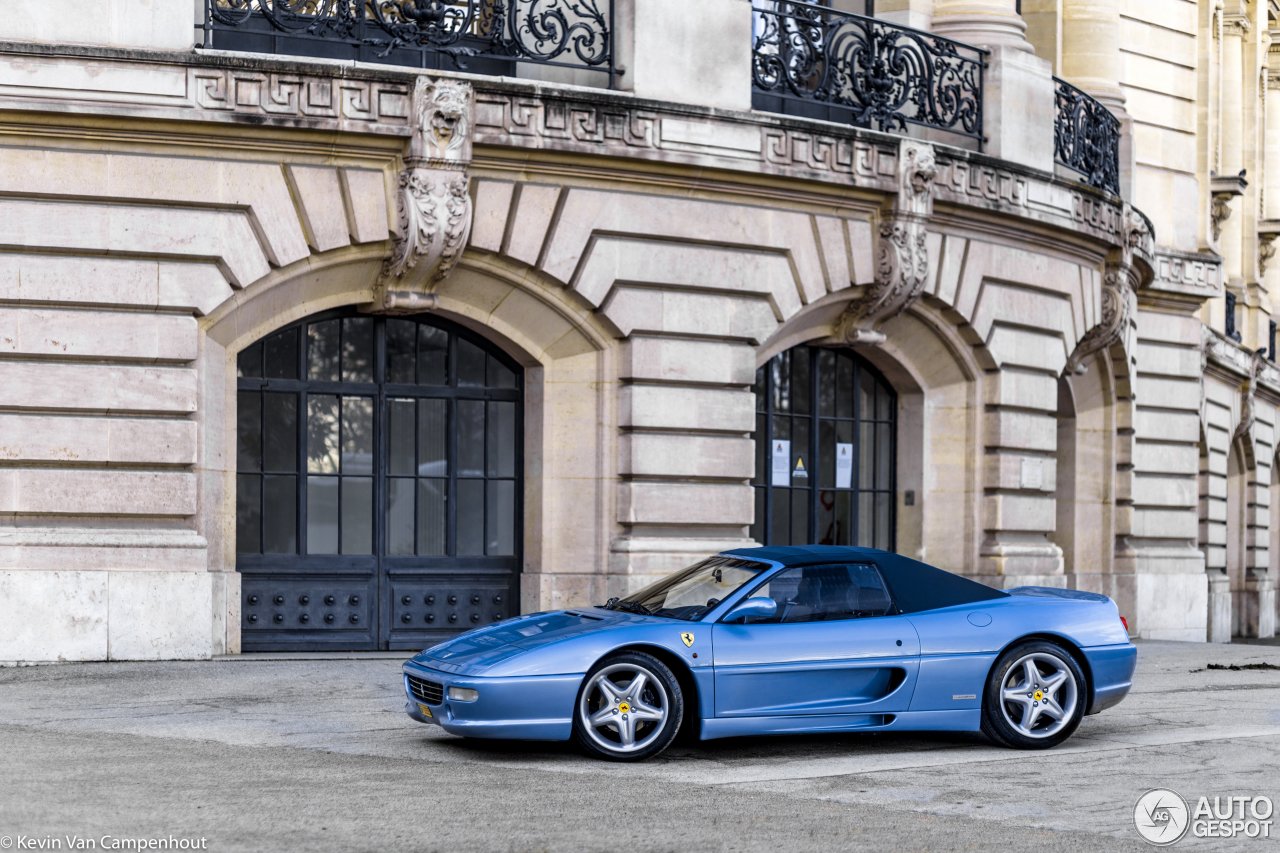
952 721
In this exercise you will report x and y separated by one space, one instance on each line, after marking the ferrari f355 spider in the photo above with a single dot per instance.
779 640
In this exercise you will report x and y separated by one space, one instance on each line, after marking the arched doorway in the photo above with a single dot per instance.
378 483
826 451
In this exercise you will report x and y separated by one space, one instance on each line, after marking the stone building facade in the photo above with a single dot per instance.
304 348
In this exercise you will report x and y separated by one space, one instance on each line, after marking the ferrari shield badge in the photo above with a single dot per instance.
687 638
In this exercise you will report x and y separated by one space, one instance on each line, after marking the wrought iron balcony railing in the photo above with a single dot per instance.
484 36
1086 137
812 61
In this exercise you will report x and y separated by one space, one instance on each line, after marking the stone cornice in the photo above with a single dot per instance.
1185 277
255 91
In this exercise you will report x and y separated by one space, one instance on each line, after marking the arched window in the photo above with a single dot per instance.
377 483
825 451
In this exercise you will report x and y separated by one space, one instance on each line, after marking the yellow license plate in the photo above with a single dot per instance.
426 712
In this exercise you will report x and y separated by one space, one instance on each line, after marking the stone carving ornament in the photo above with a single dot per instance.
1120 282
902 255
433 203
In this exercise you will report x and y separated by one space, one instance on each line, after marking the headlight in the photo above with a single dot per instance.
463 694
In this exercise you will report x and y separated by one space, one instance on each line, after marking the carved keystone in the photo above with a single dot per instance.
902 255
433 203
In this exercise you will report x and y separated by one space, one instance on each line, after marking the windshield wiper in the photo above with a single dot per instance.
616 603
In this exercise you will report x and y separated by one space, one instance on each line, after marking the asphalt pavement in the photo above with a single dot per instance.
317 755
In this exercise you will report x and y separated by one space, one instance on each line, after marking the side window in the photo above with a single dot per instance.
826 593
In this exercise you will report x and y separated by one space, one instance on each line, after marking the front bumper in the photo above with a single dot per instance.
524 708
1111 669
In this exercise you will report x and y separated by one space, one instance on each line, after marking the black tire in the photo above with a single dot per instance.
1011 673
659 691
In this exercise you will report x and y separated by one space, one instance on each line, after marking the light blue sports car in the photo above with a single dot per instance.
779 640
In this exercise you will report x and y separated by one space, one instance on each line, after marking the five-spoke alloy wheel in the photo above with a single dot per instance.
1035 696
629 707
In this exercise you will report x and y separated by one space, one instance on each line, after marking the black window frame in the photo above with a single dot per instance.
762 487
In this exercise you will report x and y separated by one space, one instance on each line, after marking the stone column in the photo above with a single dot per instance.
909 13
663 45
1091 60
1231 141
1271 138
1018 106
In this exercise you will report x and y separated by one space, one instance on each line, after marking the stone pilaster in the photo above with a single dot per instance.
1018 101
1091 60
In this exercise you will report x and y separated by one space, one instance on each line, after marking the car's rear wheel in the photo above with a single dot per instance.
1035 696
629 708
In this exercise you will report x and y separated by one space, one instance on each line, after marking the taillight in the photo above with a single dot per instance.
1125 623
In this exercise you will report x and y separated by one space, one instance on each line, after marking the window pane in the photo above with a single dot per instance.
433 425
826 517
758 526
470 363
280 428
470 438
500 376
401 356
501 518
322 515
824 463
357 515
400 516
844 519
780 523
760 389
470 517
866 395
866 455
761 474
431 517
826 383
280 354
248 431
884 530
357 349
800 473
248 514
844 385
322 434
357 435
249 362
279 515
884 456
780 370
799 517
433 355
866 528
800 381
401 437
322 351
884 403
502 440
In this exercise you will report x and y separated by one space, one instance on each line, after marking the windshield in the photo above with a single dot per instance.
690 593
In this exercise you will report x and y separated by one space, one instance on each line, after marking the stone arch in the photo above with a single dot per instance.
570 369
937 372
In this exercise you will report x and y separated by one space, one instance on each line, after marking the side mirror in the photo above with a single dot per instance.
760 607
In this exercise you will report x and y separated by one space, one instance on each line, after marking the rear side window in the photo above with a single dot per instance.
826 593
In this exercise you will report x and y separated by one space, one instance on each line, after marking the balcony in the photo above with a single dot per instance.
806 60
481 36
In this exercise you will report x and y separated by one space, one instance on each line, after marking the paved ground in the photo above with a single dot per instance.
317 755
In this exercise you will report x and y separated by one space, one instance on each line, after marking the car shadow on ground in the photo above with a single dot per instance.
737 749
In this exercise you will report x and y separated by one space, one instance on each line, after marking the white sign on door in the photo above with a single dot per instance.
781 475
844 466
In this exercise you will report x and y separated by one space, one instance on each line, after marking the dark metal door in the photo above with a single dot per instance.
378 484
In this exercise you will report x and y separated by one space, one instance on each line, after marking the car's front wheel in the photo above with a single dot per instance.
629 708
1035 696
